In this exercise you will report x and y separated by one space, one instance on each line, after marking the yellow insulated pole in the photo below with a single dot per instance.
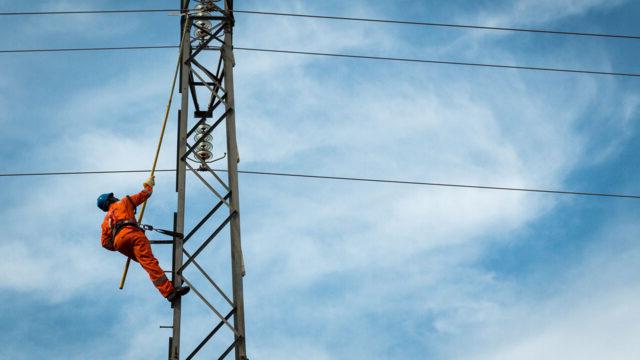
155 159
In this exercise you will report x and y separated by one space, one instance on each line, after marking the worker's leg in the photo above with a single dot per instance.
144 255
124 245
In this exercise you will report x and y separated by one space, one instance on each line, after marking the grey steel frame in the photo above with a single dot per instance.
196 75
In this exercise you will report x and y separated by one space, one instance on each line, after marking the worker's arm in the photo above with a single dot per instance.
106 236
143 195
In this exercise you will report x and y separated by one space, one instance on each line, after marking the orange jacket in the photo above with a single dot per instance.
122 210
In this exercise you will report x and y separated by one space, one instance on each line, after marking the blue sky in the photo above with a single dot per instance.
337 269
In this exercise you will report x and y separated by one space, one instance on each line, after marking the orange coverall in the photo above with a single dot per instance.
131 241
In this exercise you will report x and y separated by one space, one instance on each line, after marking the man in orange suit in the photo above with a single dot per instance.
121 232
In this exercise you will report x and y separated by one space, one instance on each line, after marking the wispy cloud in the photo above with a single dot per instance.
593 316
527 12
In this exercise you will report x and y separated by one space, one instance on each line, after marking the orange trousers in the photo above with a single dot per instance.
133 243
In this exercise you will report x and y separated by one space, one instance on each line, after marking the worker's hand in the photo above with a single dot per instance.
151 181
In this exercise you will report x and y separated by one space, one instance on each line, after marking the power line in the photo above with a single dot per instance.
342 18
422 23
344 178
86 12
89 49
441 62
58 173
352 56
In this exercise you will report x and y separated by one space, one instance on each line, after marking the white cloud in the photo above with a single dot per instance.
85 26
593 316
545 11
292 348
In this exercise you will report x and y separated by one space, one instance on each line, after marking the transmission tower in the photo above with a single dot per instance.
206 85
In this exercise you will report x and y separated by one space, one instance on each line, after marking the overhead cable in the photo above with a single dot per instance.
352 56
435 24
442 62
344 178
342 18
89 49
86 12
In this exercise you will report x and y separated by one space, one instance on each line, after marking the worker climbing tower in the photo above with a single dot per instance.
206 134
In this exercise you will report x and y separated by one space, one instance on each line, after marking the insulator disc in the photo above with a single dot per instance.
197 137
205 24
202 128
204 155
205 146
202 34
202 8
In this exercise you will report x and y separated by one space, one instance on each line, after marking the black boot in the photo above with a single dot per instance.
177 293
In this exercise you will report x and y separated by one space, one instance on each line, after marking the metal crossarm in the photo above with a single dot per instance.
206 85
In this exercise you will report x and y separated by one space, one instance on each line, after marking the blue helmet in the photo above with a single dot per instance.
104 201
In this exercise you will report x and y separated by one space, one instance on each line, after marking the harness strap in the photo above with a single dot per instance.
115 228
119 226
132 223
163 231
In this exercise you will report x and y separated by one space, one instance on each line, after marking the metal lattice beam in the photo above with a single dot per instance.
210 84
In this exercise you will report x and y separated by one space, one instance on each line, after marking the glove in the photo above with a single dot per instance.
151 181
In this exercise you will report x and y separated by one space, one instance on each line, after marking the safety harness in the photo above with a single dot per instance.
144 227
119 225
174 234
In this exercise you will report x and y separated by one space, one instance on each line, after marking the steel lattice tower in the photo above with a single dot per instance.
206 85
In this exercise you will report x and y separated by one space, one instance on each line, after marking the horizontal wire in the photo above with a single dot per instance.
441 62
435 24
342 18
344 178
89 49
352 56
85 12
